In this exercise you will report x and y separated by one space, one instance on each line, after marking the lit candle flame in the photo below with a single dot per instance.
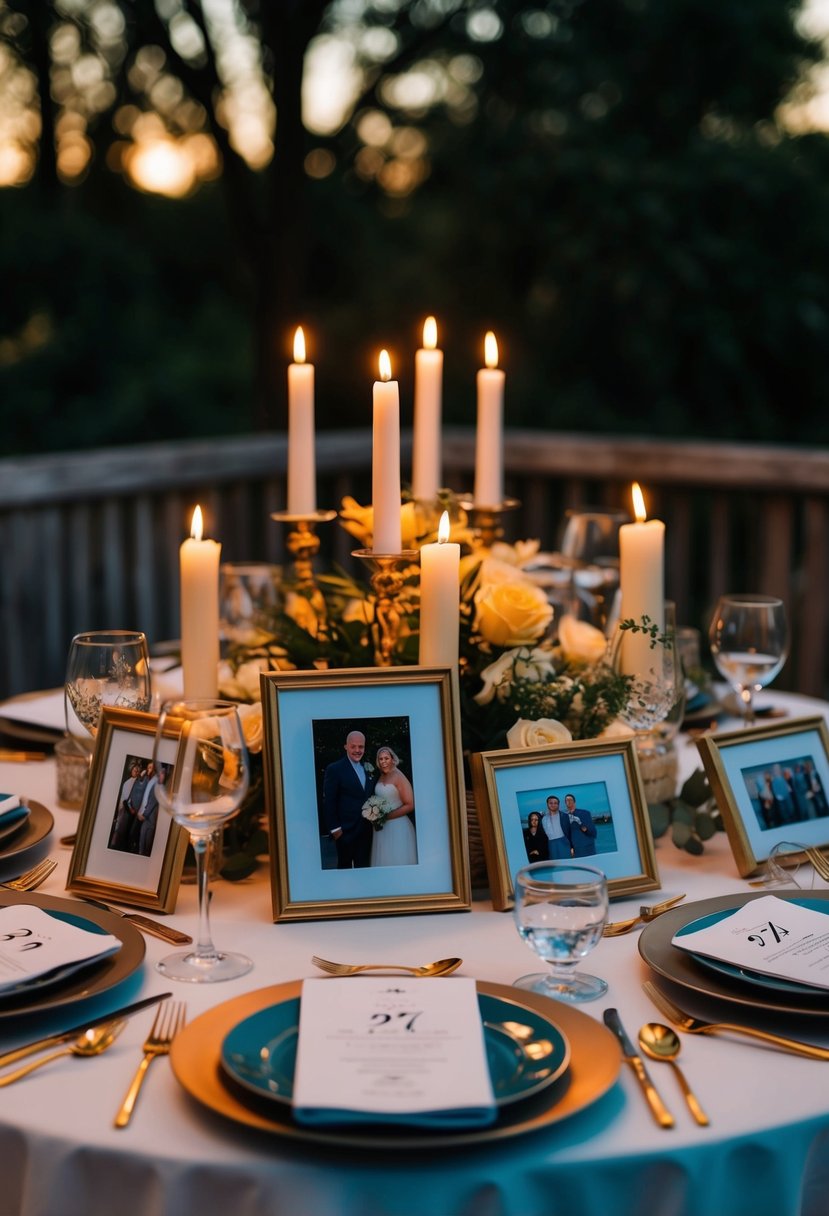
443 528
490 349
197 526
638 503
385 365
430 333
299 345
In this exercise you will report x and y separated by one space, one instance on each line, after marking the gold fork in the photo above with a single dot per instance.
32 878
696 1026
820 862
168 1021
647 912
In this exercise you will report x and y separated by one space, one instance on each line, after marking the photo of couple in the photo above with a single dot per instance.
782 794
366 800
557 830
135 817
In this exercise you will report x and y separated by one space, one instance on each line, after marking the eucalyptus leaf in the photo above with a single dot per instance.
704 825
660 817
680 833
696 789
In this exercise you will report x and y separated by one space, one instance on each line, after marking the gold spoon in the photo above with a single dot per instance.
90 1043
443 966
662 1043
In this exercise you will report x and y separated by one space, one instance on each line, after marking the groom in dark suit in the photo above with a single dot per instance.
345 787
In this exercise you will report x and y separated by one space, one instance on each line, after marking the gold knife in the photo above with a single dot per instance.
166 932
63 1036
658 1109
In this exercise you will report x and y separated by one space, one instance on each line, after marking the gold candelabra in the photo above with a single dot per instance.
303 545
486 520
387 582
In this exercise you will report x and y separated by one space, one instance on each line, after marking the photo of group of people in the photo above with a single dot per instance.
136 815
786 793
559 825
365 795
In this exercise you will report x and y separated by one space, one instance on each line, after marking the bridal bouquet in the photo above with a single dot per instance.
376 810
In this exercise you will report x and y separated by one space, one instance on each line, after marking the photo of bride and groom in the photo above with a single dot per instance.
366 799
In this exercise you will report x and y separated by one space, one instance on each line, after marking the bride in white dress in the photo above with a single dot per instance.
396 843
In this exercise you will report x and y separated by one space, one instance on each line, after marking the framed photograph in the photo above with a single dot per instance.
583 800
365 792
127 850
771 784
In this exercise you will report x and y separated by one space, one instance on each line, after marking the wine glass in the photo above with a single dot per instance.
749 638
249 599
110 667
657 681
560 912
590 547
210 780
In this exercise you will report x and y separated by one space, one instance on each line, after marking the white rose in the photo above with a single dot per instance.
534 665
242 684
542 733
497 678
581 642
251 718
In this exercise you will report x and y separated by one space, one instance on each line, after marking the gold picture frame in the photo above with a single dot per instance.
512 785
117 855
744 767
310 782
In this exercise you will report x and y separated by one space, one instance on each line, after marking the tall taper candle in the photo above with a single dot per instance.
426 462
199 571
489 456
440 599
385 461
642 583
302 473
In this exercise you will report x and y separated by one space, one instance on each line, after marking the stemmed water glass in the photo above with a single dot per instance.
105 668
749 638
560 912
210 780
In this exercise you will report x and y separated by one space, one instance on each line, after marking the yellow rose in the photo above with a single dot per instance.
511 613
581 642
359 522
299 609
542 733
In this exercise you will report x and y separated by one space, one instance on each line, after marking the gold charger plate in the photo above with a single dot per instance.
679 967
594 1067
90 981
36 828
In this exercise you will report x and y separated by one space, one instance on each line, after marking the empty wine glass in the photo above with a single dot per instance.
590 547
107 668
749 638
210 780
560 912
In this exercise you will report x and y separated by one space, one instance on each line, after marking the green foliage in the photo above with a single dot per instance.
692 817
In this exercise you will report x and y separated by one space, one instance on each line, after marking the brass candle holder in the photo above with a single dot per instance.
486 520
303 545
387 583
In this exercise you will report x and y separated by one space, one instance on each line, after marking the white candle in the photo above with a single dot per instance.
302 475
439 599
642 580
199 570
489 456
426 464
385 461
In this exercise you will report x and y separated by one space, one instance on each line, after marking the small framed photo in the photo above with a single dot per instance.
771 784
575 800
127 850
365 793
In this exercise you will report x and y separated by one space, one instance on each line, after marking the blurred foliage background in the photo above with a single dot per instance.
631 193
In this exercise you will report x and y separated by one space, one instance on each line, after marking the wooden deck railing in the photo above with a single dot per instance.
90 539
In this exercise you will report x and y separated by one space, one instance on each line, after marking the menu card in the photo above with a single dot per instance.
392 1050
34 945
769 935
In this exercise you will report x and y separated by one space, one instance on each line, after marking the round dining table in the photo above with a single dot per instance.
765 1152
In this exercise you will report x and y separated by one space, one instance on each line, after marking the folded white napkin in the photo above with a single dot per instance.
35 946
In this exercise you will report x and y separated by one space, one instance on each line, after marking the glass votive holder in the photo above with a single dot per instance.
73 758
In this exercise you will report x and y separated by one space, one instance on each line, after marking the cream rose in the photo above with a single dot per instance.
243 683
617 729
511 613
301 610
581 642
542 733
521 663
251 718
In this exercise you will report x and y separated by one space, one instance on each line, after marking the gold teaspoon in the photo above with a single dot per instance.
662 1043
90 1043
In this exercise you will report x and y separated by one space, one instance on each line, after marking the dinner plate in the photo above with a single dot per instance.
92 980
656 948
595 1061
525 1051
745 974
37 827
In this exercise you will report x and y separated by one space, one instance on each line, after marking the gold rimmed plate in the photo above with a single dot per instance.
594 1066
37 826
680 967
90 981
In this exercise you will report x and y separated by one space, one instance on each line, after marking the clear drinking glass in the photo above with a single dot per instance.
210 780
560 912
110 667
590 547
249 598
749 638
657 690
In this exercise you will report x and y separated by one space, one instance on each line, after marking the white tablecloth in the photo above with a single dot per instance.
766 1152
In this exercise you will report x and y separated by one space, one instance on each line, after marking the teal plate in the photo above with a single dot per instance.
525 1051
776 983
